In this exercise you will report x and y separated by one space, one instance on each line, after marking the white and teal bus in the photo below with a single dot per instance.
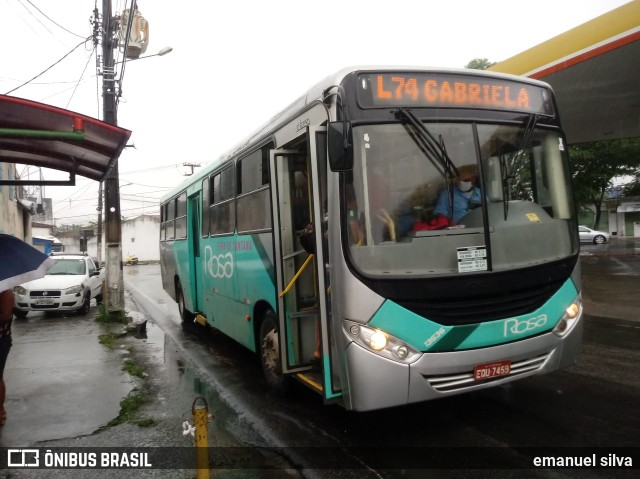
331 242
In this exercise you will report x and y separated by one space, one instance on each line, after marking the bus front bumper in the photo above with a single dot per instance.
376 382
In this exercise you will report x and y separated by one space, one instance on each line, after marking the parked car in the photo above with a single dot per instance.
70 285
587 235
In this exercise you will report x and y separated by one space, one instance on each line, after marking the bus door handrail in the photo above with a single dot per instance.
386 218
297 275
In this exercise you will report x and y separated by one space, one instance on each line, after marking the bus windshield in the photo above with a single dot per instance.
457 198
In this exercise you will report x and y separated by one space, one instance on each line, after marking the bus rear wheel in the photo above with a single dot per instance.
270 352
185 315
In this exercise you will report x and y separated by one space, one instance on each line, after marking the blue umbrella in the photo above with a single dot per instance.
20 262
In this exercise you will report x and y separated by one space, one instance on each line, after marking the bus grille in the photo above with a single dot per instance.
458 381
470 310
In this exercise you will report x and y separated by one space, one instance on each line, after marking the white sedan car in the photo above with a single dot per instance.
70 285
587 235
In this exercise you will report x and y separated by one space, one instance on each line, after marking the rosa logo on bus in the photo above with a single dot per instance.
218 265
521 326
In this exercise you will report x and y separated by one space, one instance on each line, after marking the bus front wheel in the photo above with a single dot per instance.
270 352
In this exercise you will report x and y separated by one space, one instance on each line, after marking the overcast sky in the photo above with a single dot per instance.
237 63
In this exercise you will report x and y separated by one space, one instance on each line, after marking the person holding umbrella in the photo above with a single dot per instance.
20 262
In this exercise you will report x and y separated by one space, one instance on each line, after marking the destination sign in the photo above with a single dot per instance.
451 90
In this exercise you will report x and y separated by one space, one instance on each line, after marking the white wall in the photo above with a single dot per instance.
140 237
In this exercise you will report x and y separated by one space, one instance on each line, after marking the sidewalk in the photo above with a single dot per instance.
60 381
66 389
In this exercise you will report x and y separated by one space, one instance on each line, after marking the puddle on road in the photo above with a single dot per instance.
181 377
165 354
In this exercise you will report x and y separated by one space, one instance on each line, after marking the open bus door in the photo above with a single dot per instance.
301 277
193 212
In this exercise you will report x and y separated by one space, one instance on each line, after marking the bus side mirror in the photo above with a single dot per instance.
340 146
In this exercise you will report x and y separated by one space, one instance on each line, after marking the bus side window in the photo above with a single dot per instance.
214 193
253 203
266 180
163 221
215 199
171 219
204 210
222 211
181 216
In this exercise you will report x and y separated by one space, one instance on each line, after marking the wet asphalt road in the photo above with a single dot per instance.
594 403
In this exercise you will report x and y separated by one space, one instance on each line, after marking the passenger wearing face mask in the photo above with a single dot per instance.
466 196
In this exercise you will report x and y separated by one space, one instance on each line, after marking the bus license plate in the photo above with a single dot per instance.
491 370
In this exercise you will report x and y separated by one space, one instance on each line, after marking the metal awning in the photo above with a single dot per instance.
33 133
628 208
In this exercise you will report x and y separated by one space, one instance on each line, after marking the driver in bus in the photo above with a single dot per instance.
466 196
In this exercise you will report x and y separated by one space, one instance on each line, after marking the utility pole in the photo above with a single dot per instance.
113 233
99 233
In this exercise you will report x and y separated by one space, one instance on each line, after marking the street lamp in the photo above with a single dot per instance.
161 53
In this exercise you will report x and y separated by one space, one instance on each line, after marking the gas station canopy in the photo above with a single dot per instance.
594 70
33 133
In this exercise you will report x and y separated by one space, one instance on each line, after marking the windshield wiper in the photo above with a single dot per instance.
506 197
433 149
524 142
525 139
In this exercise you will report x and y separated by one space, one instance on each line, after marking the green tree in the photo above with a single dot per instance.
632 188
595 165
479 64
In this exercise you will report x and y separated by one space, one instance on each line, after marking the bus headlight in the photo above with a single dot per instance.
378 340
570 318
381 342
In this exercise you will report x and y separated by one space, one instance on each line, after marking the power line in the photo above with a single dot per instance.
47 82
155 168
49 68
19 14
53 21
148 186
90 215
35 18
140 200
81 76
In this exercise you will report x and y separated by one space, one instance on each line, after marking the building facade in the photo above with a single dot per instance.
15 210
624 216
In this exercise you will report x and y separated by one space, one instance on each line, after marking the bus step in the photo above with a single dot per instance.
311 379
